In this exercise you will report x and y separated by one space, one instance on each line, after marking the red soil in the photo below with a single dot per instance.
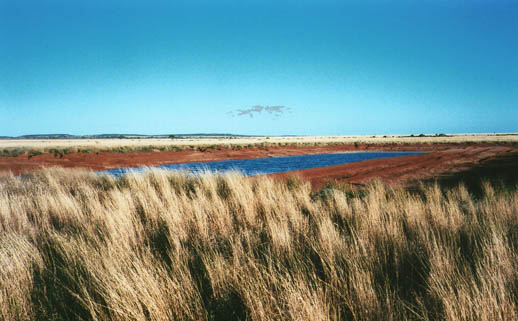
405 169
441 159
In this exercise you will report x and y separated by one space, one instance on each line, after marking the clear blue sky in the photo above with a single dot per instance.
341 67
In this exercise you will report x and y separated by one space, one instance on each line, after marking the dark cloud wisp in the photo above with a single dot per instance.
258 109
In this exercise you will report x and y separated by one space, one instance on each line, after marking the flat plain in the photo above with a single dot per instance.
136 143
444 154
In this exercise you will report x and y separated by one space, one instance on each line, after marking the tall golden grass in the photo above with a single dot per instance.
169 246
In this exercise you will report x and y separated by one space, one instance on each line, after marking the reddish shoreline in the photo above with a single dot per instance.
405 169
441 159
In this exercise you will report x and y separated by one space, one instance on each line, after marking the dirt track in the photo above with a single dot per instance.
440 160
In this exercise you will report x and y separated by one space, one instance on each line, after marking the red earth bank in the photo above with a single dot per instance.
440 159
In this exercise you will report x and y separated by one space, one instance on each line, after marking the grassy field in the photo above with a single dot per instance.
168 246
14 147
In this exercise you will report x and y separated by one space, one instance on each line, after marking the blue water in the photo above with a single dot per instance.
271 164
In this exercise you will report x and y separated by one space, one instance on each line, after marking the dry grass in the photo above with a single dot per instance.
167 246
13 147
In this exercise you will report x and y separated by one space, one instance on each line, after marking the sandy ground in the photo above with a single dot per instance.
440 160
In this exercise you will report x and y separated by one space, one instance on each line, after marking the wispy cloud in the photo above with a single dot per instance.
258 109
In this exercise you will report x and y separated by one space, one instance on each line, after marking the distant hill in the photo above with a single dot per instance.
46 136
122 136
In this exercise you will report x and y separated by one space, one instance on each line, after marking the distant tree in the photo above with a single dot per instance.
172 136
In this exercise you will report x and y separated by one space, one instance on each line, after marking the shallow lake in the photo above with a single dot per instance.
271 164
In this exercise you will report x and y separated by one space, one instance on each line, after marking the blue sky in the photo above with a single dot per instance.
341 67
